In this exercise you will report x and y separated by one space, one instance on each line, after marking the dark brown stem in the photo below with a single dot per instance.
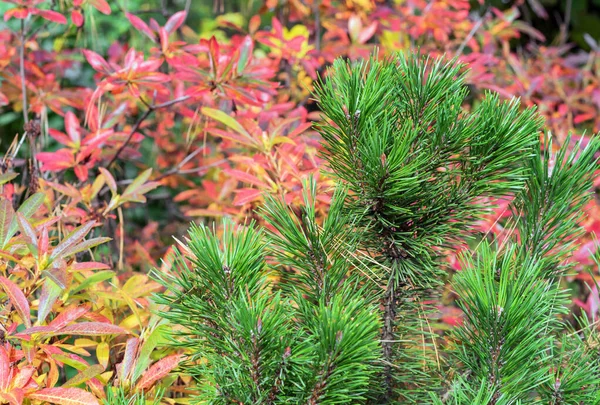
317 25
387 340
139 122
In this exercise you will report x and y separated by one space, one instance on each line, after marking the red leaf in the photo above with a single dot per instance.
67 316
18 299
19 13
247 178
583 117
72 127
157 371
246 195
77 18
65 396
52 16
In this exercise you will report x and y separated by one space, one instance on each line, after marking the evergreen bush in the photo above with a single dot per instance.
339 310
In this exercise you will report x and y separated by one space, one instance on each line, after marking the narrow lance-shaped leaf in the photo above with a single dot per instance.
7 214
27 209
85 245
18 299
85 375
64 396
228 121
92 329
158 370
72 240
28 234
6 177
50 293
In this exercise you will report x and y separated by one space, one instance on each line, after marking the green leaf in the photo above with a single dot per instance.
228 121
27 209
92 280
7 214
6 177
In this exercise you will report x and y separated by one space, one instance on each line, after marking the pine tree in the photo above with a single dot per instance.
338 311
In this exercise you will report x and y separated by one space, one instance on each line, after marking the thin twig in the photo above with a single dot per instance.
22 71
139 122
474 30
317 26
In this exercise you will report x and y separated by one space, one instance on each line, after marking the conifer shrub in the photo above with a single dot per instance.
338 310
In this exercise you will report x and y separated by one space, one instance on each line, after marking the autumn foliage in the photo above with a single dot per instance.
110 151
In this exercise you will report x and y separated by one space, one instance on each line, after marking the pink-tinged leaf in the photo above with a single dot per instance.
64 396
67 316
141 26
110 180
97 61
72 240
7 214
125 368
15 397
81 172
27 208
100 5
77 18
18 299
23 377
158 370
89 266
246 178
72 127
52 16
175 21
57 273
246 49
5 372
92 329
50 293
85 245
3 100
244 196
367 33
28 233
43 241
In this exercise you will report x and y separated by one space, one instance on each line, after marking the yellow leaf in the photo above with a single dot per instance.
84 342
103 353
